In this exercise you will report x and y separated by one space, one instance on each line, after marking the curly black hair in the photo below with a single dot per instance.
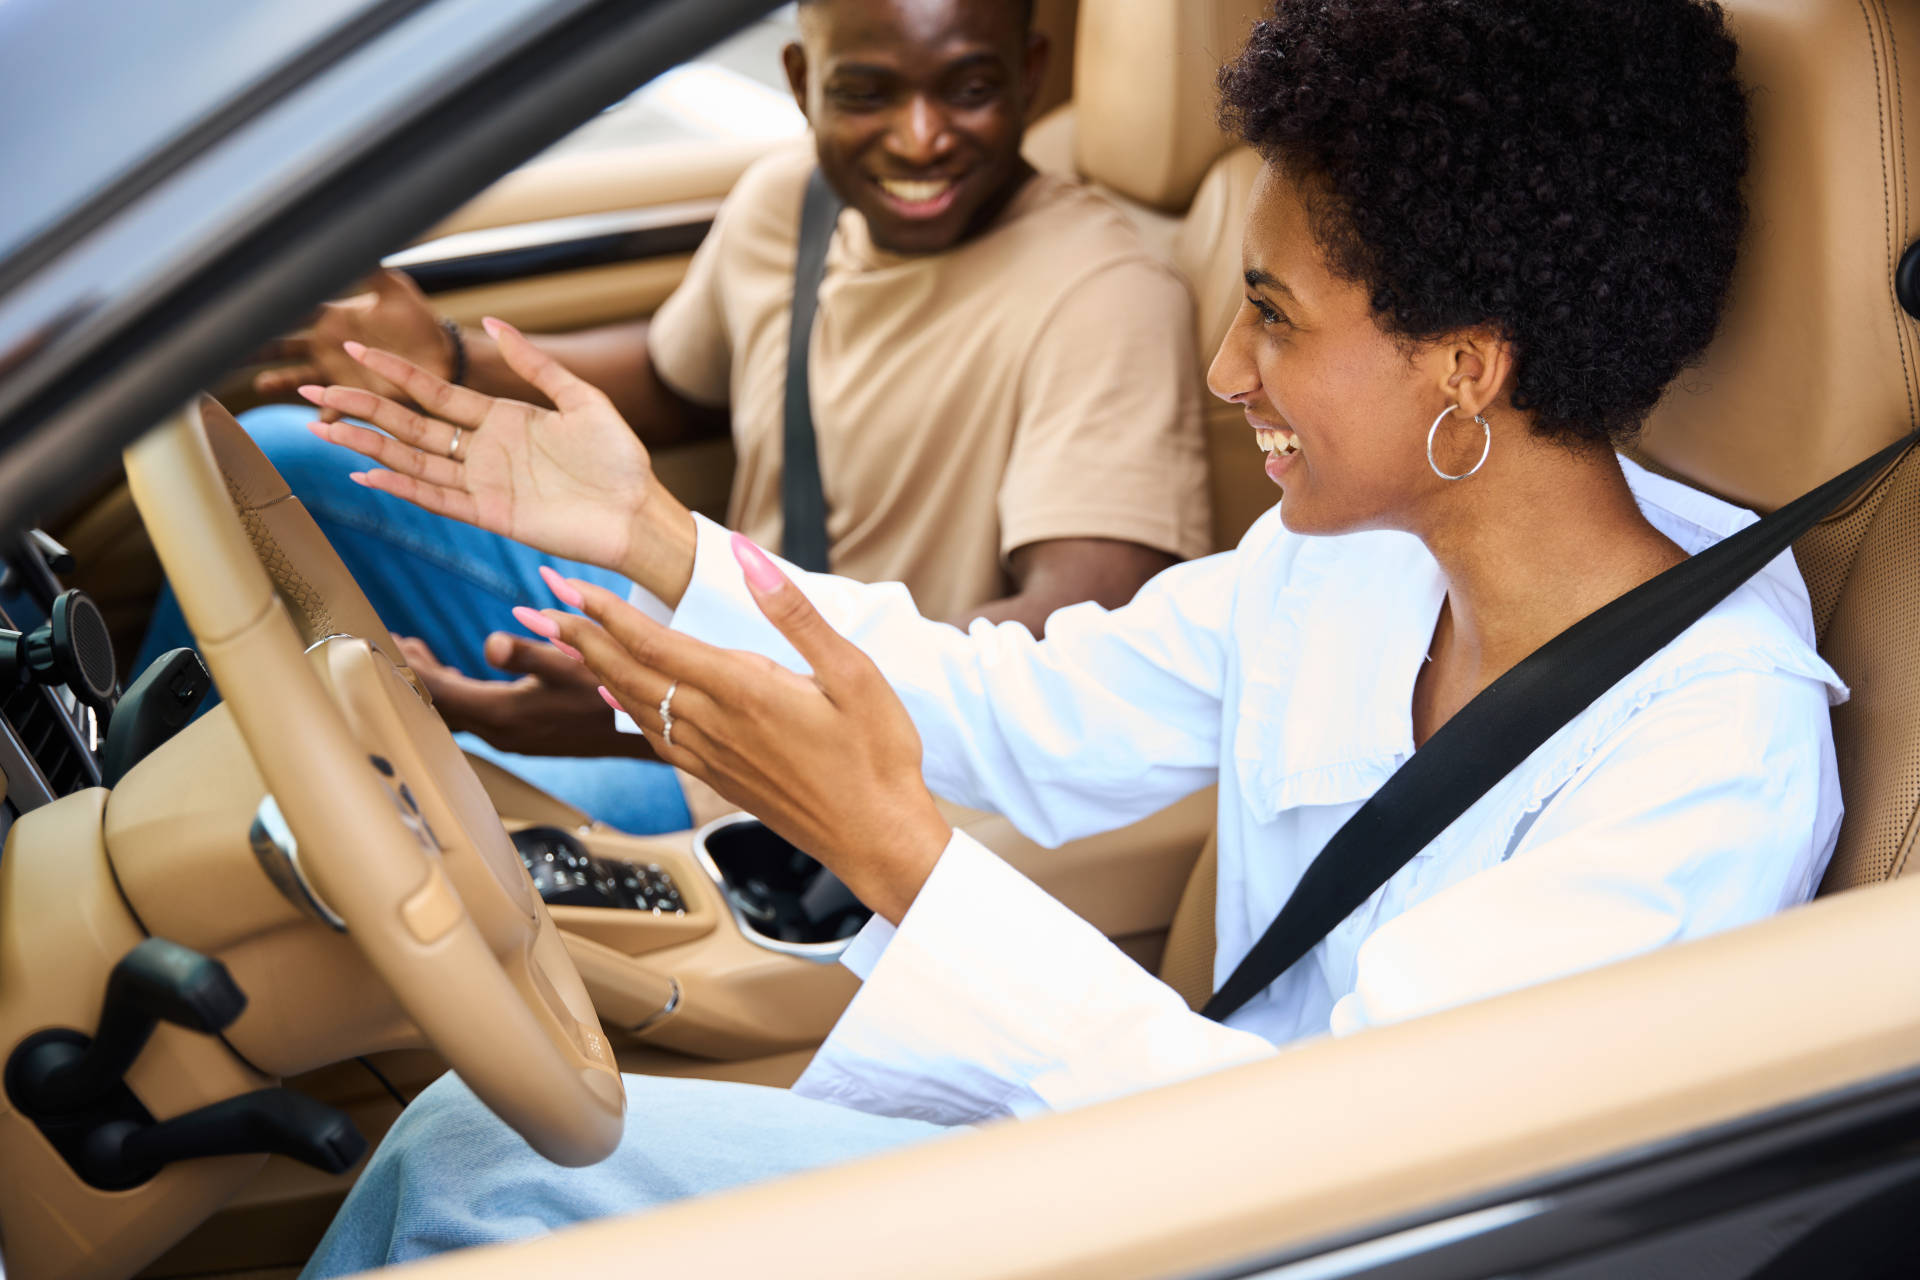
1567 171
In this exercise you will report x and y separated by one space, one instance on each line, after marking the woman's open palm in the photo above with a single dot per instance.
568 480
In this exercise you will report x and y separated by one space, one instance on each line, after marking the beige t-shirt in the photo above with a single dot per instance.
1036 382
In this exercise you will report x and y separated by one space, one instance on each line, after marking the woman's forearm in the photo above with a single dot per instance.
661 545
983 703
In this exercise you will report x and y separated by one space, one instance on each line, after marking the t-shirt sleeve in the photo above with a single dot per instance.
1108 442
688 340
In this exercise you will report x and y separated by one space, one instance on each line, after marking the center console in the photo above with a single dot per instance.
782 899
567 875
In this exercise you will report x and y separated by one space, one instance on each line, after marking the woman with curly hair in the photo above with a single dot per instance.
1486 238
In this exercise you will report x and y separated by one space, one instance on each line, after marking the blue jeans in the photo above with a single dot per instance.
448 584
449 1175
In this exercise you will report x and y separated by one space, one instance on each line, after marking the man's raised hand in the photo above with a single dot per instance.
571 481
386 310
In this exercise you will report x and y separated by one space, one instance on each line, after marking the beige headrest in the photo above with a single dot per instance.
1143 92
1816 365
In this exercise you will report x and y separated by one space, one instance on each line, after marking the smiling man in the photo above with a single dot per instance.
1004 391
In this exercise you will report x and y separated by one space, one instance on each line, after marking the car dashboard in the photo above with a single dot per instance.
49 738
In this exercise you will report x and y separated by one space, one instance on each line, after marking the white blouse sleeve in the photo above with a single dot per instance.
1113 717
992 998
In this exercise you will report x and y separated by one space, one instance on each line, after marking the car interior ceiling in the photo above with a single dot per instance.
1832 217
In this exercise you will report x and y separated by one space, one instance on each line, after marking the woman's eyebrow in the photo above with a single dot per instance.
1258 279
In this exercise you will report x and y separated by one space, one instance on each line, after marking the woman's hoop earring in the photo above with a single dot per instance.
1485 449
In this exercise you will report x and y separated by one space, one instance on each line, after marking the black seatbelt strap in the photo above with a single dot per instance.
1509 719
803 502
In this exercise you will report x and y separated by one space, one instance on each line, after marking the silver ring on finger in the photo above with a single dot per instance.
666 714
453 450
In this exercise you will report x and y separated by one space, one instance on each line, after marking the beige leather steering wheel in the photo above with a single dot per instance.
394 832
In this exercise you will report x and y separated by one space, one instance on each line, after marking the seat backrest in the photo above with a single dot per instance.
1143 88
1142 127
1817 365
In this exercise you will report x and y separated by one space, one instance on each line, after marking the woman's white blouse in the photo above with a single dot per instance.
1698 794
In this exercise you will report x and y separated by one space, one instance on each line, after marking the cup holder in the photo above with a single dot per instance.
781 898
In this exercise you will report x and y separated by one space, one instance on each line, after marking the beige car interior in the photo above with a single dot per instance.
450 959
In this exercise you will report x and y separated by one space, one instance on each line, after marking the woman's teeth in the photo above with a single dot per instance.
1277 440
915 192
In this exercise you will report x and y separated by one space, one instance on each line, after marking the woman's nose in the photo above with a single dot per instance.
1233 375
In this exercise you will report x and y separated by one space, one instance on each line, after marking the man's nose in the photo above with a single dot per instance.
919 135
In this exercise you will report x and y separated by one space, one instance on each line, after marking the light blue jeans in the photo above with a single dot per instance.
449 1175
448 584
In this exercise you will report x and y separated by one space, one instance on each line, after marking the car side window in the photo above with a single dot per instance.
736 91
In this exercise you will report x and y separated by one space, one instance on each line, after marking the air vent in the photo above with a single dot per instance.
48 738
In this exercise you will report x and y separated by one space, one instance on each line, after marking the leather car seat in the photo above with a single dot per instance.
1141 128
1817 364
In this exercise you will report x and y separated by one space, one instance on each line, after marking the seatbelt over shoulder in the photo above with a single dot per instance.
1511 718
803 500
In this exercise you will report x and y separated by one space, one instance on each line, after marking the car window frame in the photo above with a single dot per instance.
84 369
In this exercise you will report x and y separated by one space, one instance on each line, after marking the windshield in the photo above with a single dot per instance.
105 86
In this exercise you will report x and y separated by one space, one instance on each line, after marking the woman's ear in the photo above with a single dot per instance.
1477 367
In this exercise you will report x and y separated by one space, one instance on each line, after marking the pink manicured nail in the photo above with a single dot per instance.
566 592
358 350
567 649
359 478
538 623
312 391
760 571
609 699
492 326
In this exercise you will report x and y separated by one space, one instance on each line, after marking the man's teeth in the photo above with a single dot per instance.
1277 440
914 192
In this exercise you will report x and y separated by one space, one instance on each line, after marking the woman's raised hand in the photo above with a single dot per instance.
572 481
829 760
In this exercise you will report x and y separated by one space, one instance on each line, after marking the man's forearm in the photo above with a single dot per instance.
597 355
613 358
1052 575
1032 611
